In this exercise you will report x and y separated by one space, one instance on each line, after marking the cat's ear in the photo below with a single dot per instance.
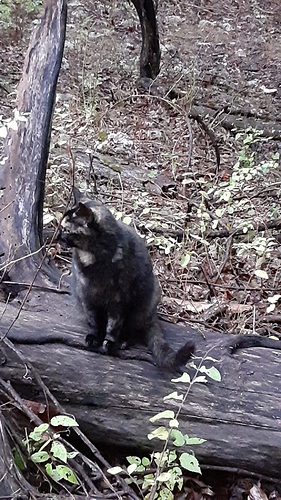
77 195
84 212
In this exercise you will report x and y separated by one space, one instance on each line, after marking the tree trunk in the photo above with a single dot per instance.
23 171
150 52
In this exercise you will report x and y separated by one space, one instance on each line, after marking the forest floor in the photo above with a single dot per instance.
214 232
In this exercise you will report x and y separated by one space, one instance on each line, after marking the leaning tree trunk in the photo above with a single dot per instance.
22 173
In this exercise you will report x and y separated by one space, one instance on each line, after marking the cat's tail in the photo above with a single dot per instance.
165 357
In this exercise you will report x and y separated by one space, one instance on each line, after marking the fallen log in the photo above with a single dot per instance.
113 399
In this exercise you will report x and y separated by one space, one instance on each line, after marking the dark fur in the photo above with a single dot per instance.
114 284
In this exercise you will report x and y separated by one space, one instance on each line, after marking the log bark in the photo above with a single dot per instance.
113 399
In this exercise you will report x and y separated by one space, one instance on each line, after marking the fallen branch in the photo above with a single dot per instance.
225 233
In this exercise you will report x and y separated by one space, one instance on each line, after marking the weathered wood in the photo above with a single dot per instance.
11 480
240 121
23 171
113 399
150 51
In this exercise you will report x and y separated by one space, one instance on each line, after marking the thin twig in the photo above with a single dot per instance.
5 208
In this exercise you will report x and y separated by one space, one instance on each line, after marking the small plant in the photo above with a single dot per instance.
234 199
246 172
162 472
45 448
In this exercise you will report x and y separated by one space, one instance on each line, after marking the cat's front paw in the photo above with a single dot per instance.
109 347
92 343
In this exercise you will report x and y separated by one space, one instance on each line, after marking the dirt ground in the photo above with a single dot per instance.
214 233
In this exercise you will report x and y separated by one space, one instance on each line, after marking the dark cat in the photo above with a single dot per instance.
114 284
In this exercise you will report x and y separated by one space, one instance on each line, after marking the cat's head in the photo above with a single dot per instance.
86 222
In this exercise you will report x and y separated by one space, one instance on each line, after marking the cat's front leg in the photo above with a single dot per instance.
112 343
96 335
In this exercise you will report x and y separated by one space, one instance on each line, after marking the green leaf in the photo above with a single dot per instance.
39 457
201 379
178 479
194 440
19 461
174 423
115 470
37 433
160 458
164 477
134 460
163 414
131 468
161 433
127 220
64 421
58 450
212 372
219 212
148 480
72 454
166 494
172 456
189 462
185 378
102 136
145 461
226 195
173 395
178 437
66 473
52 473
